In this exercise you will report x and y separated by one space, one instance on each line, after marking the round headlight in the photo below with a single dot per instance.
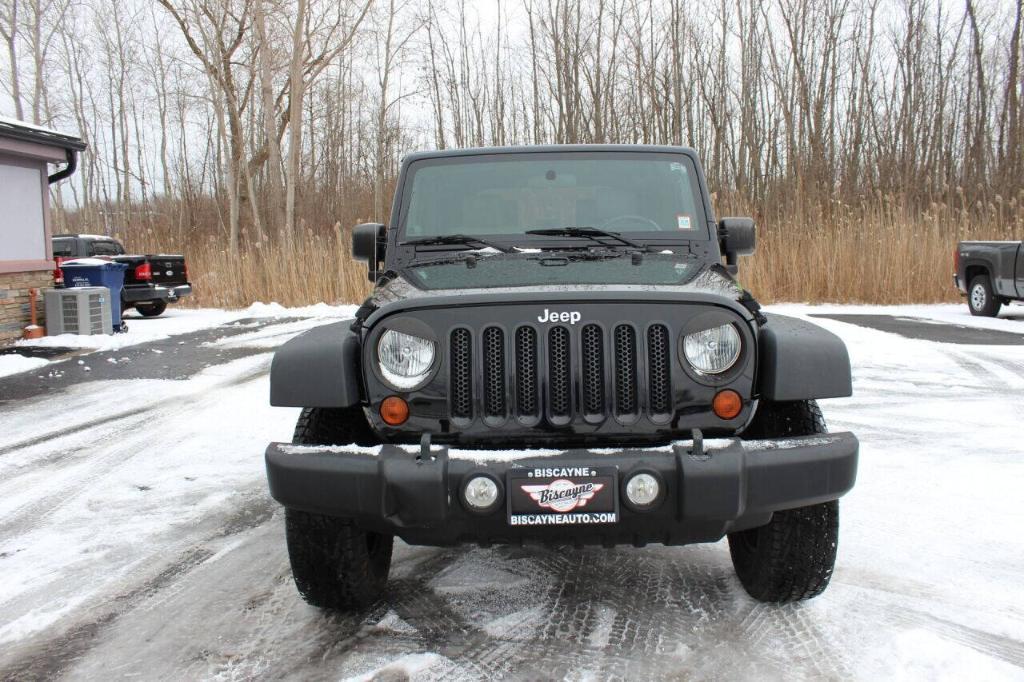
405 360
714 350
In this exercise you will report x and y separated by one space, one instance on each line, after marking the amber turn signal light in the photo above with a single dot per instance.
394 410
727 404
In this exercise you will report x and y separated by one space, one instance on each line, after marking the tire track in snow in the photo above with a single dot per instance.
101 460
48 658
996 646
145 408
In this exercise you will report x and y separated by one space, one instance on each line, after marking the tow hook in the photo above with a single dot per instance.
696 449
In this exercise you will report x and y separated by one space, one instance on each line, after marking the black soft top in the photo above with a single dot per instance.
559 148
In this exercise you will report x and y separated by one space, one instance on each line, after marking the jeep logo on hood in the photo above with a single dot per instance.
572 317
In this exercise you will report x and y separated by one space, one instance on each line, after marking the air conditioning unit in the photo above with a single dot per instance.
78 310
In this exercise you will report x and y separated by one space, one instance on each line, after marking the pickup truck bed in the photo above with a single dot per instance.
990 274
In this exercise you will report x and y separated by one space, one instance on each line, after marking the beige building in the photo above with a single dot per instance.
26 257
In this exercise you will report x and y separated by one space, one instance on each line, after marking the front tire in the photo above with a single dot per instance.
791 558
981 299
335 564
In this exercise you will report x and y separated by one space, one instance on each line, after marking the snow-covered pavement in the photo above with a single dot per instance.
137 537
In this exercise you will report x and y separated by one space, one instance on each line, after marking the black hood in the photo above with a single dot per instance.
523 273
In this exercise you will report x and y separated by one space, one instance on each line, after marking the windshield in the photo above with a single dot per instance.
502 196
538 270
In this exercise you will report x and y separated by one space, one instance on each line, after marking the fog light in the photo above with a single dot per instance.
642 490
481 493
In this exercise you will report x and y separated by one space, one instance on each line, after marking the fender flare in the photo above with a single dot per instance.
798 360
319 368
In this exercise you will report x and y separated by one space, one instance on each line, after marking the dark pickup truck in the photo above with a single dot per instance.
990 274
151 281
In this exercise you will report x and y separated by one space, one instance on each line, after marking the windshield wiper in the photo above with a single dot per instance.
456 240
592 233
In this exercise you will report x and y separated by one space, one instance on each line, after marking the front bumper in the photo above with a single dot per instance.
712 489
155 292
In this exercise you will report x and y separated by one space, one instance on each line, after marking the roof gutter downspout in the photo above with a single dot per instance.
68 170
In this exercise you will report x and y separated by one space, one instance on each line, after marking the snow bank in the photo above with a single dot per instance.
15 364
183 321
1011 318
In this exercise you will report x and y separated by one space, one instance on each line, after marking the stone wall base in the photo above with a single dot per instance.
14 312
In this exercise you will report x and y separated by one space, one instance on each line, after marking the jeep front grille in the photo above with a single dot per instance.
562 372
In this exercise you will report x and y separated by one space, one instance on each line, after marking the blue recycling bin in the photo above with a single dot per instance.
93 272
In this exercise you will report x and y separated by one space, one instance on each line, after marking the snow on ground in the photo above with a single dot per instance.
1010 317
14 364
137 539
177 321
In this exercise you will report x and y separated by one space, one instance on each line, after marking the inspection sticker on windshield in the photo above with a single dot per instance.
684 222
557 496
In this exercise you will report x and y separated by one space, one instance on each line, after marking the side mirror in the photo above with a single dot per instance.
368 245
737 237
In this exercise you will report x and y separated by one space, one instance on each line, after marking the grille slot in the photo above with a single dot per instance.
462 374
559 384
494 372
625 371
526 372
659 374
592 350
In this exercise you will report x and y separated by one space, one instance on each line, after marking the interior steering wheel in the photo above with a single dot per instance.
636 218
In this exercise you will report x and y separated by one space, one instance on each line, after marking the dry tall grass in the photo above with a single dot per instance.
880 250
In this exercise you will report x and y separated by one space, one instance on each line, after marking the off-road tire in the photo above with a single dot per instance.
791 558
151 308
335 564
983 302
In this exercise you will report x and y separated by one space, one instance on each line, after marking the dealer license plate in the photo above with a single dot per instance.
558 496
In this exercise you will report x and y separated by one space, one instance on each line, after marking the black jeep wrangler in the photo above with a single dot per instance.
556 352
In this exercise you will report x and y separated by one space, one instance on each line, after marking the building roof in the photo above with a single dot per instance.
14 129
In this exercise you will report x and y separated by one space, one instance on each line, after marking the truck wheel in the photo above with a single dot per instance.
335 564
151 308
980 298
792 557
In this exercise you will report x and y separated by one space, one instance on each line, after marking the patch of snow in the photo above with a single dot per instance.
16 364
31 126
932 657
1011 318
467 576
392 622
404 668
86 261
352 448
177 321
516 625
600 636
